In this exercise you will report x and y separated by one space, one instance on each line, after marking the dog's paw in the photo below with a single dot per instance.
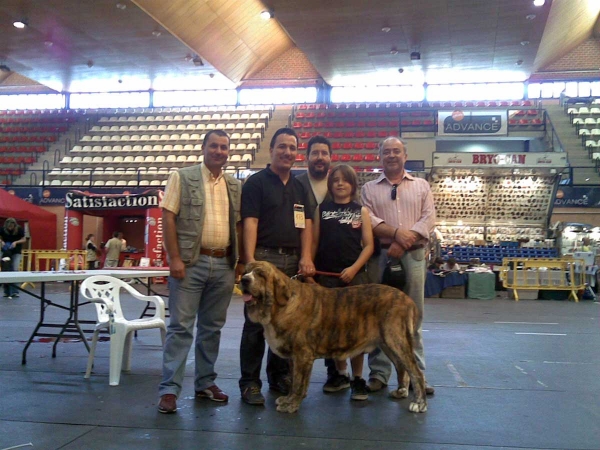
288 407
399 393
283 400
419 407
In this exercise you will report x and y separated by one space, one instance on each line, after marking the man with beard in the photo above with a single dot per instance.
318 155
201 224
403 217
277 225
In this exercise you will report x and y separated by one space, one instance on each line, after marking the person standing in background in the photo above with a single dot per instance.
91 252
114 247
12 238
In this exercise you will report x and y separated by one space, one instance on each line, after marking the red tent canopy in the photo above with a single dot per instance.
42 224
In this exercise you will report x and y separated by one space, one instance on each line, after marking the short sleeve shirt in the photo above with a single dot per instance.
266 198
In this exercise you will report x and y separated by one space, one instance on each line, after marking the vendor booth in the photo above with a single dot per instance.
39 224
490 206
135 215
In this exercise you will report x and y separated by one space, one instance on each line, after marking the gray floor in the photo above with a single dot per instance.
507 375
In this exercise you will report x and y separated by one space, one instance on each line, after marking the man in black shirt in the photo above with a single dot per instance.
277 228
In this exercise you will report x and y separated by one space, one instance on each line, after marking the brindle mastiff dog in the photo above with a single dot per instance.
303 322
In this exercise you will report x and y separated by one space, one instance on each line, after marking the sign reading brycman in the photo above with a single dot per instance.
472 123
81 200
551 160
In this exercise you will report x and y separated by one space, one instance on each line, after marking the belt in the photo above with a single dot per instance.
281 250
216 252
411 249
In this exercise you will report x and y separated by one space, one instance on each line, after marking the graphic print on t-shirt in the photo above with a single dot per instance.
344 216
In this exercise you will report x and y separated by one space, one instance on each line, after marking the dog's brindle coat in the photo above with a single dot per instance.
303 322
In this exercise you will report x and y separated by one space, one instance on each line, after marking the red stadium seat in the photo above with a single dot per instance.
347 145
349 135
336 146
297 125
371 145
358 157
346 157
300 156
359 145
335 157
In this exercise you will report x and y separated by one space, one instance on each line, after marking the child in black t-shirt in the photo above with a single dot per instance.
342 245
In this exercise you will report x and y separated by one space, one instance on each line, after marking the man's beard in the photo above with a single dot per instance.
317 173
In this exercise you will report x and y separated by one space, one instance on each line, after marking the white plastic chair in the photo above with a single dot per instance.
104 292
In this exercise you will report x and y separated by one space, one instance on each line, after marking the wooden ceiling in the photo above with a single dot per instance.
93 45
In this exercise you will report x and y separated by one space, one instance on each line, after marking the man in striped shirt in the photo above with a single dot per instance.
403 217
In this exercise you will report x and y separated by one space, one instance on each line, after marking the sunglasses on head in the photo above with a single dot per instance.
394 191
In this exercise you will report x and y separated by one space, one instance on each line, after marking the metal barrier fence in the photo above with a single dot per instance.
563 274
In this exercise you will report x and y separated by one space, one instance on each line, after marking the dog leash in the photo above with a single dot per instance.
318 272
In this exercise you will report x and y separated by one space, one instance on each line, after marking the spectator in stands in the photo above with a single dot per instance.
12 238
436 265
278 229
403 216
314 180
92 252
202 224
114 247
451 265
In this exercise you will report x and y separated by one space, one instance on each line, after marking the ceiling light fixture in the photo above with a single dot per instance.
386 29
267 14
530 16
539 2
48 43
20 23
524 43
197 61
393 51
519 62
156 33
121 6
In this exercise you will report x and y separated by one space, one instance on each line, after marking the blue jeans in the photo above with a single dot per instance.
205 294
11 289
252 347
414 265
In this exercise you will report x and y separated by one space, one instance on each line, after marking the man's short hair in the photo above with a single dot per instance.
216 132
395 138
285 130
318 140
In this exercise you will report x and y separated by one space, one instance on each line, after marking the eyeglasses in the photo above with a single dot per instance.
394 191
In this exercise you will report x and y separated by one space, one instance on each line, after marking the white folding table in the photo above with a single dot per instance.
72 324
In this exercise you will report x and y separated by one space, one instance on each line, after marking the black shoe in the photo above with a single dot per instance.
16 294
253 396
336 382
359 389
429 390
281 385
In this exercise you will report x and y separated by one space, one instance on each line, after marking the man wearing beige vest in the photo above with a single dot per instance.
201 218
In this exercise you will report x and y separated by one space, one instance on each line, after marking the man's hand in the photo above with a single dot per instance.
240 268
177 268
306 267
348 274
406 238
395 251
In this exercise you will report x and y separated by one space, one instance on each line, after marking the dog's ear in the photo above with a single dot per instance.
281 288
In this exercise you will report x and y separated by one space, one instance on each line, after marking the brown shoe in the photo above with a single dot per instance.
375 385
167 404
213 393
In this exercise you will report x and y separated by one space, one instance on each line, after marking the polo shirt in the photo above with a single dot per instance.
266 198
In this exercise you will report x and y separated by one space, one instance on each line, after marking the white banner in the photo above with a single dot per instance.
500 159
472 123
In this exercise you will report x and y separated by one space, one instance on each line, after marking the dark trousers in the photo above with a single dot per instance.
252 347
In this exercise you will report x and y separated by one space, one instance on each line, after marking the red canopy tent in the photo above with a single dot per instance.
42 224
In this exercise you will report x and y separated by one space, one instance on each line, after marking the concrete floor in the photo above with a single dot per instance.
507 375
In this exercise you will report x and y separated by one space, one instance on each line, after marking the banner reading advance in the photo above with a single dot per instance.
472 123
78 200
